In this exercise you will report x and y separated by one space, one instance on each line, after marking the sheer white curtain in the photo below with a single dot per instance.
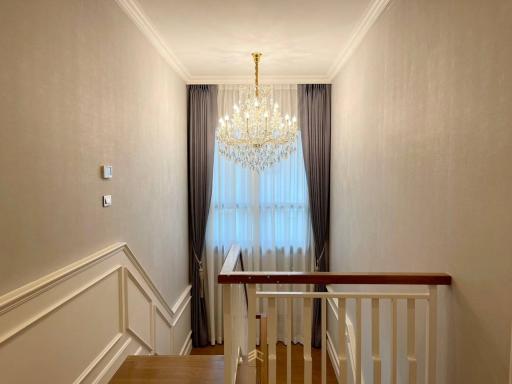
266 213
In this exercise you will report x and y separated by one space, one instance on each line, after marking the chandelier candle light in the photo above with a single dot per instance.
256 135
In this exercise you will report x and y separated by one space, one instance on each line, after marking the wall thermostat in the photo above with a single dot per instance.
107 171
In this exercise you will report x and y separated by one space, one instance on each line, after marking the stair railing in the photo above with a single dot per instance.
237 310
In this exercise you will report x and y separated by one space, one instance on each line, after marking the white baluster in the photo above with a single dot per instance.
432 336
272 339
376 341
359 325
411 339
394 338
307 317
251 329
342 343
324 340
289 312
228 329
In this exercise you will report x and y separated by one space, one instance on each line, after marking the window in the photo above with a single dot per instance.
263 212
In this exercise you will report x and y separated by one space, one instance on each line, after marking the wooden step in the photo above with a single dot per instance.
171 369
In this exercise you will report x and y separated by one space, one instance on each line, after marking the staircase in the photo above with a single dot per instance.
241 363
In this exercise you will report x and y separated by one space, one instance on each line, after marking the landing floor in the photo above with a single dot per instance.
297 363
170 370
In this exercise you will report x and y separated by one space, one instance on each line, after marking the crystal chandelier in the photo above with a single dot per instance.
256 135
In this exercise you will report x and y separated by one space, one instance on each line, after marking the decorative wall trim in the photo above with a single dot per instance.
115 359
41 285
135 12
139 351
333 355
47 311
35 288
187 345
143 22
178 316
149 282
98 358
267 80
148 343
181 299
370 17
25 307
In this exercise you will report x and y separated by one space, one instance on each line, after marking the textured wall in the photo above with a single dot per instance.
422 177
81 86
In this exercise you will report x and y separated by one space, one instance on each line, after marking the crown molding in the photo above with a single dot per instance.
370 17
266 80
143 22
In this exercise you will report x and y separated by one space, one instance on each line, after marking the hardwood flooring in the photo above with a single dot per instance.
170 370
297 363
206 366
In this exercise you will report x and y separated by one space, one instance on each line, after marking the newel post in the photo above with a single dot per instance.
252 354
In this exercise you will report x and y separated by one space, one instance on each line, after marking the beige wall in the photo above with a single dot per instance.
81 86
422 172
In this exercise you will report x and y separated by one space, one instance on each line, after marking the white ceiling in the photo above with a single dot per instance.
301 40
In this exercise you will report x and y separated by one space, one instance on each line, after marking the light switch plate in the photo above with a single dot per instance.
107 171
107 200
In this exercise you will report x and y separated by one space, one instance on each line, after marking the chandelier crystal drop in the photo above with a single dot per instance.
256 135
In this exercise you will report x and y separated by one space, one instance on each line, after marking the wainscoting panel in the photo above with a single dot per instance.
182 341
78 324
163 334
138 311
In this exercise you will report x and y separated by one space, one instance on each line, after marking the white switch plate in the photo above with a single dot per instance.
107 200
107 171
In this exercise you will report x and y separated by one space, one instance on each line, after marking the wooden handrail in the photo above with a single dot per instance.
229 276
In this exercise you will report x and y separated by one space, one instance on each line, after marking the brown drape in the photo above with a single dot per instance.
202 118
315 126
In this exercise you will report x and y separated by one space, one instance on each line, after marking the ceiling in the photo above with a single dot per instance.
210 41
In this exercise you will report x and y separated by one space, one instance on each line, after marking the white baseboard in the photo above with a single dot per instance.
99 310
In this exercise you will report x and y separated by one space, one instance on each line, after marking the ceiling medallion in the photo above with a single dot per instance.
256 135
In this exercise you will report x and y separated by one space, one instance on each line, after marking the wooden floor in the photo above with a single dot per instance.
206 366
170 370
297 363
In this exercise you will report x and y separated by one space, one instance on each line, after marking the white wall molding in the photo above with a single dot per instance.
29 291
150 321
145 25
187 345
105 305
143 22
266 80
98 358
108 370
4 337
183 308
333 355
370 17
180 302
41 285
